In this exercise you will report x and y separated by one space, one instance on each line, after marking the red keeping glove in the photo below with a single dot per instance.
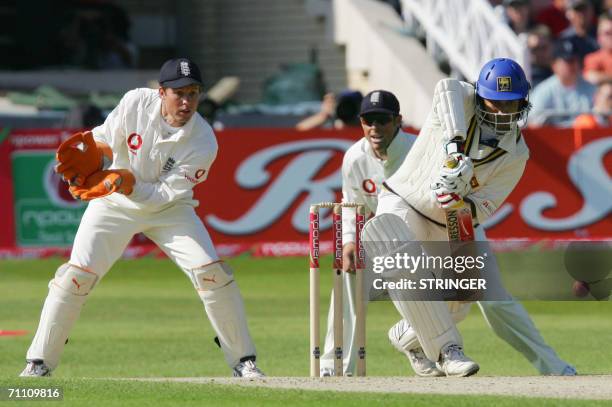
78 157
103 183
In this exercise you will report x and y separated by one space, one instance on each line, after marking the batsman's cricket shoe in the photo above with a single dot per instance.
420 364
248 369
36 368
453 362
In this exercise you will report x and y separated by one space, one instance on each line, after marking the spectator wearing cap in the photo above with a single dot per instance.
518 15
553 16
598 64
558 99
337 111
539 44
601 116
581 31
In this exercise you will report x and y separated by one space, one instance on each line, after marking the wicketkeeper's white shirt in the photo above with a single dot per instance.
166 166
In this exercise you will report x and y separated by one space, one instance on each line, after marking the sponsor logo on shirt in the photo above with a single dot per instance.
134 142
195 179
369 186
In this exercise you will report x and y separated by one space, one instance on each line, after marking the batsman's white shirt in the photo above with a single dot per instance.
496 170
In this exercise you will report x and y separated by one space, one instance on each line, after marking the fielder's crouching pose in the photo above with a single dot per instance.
139 169
478 126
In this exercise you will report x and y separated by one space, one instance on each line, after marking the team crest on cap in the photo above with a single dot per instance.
375 98
504 84
185 68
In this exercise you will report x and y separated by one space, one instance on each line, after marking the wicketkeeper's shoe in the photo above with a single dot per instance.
327 372
420 364
453 362
36 368
248 369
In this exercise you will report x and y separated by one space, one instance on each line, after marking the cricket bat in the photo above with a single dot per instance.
459 226
460 230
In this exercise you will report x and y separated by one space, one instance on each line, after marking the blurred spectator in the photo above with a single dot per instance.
84 115
598 64
517 13
553 16
336 112
539 43
602 109
581 31
558 99
96 36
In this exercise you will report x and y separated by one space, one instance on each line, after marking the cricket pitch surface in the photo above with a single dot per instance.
577 387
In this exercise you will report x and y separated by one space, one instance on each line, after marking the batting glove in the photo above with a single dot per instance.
459 177
446 198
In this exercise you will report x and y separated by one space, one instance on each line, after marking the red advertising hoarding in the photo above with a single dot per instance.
263 181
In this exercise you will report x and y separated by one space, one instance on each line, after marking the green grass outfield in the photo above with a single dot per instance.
145 320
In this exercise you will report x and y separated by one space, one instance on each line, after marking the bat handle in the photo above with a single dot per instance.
451 162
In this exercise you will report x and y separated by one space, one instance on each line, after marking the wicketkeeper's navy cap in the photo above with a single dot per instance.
380 101
179 72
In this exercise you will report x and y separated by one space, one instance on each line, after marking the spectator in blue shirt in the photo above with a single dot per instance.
582 30
560 98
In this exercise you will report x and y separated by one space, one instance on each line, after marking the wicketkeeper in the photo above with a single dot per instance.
138 171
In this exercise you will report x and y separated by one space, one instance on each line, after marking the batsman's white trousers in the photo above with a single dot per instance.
103 234
507 317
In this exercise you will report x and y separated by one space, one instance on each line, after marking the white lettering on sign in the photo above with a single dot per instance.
588 173
296 178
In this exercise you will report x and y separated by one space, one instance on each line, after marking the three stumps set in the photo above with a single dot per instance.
314 238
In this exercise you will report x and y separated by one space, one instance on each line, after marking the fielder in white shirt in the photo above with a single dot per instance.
138 171
371 160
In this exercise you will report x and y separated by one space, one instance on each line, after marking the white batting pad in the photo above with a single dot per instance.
385 235
386 227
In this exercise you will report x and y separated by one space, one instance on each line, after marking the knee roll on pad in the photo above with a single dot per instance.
212 276
74 280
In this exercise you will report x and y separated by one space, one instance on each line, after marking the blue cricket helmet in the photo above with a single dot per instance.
502 79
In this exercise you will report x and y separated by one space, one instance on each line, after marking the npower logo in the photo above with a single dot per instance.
57 189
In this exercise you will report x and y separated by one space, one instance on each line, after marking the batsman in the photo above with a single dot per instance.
138 171
477 126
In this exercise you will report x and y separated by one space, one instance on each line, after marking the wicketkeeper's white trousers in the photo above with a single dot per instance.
104 232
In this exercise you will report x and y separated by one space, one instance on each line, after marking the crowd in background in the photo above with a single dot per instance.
570 45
